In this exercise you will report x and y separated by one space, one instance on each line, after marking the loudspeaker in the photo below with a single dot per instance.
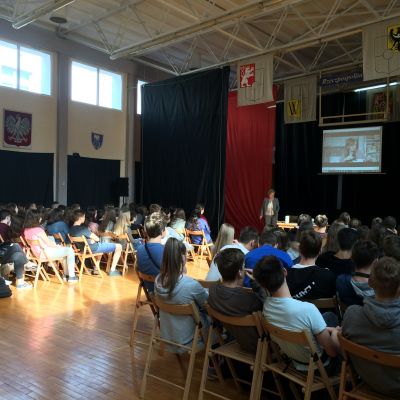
122 187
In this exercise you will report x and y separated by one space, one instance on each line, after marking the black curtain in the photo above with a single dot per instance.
302 189
183 142
26 177
93 181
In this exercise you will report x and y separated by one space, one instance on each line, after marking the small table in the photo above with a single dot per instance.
284 225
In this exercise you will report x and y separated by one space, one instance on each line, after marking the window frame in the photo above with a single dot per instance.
98 69
18 87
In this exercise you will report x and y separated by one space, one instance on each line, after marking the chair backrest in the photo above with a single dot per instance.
324 303
80 245
178 309
59 237
146 277
201 233
207 284
251 320
368 354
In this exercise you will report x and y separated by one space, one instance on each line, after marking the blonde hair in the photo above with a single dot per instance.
122 224
225 236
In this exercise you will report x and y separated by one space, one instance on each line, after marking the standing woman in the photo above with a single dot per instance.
270 208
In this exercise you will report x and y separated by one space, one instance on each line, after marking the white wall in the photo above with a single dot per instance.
44 115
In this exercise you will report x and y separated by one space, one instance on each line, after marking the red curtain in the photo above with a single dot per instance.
249 152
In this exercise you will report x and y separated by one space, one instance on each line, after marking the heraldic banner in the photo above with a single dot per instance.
300 99
381 50
17 129
254 78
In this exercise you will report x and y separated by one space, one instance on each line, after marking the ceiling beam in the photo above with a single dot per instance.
226 18
32 15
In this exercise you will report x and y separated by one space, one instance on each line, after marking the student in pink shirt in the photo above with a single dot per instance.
33 231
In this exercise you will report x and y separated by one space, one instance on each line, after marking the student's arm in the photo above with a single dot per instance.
200 295
94 237
43 238
328 342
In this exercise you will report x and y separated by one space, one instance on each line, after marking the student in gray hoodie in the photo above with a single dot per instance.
376 324
175 287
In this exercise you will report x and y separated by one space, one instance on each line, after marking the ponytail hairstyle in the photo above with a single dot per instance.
173 264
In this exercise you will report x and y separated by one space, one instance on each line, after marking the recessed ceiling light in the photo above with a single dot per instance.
58 20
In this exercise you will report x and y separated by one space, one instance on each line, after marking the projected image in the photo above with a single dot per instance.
352 150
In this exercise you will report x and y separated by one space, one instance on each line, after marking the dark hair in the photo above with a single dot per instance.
179 214
75 207
229 263
32 219
364 253
332 236
282 239
376 220
344 217
199 206
269 273
310 244
355 223
4 214
270 191
268 237
377 233
321 220
110 215
346 238
154 208
173 263
17 224
247 234
76 215
55 216
155 224
11 207
303 227
303 218
363 232
385 277
132 210
389 222
91 214
391 246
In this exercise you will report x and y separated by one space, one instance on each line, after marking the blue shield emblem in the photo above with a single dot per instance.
97 140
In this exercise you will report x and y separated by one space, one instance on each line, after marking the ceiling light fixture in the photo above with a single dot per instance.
31 16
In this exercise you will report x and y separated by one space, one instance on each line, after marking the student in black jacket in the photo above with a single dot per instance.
305 279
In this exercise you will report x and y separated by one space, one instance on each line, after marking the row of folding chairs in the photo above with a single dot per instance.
82 252
267 358
200 250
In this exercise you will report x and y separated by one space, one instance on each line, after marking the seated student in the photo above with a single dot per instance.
340 262
79 230
33 231
248 240
123 225
287 313
197 223
268 247
390 224
91 220
353 288
56 224
376 324
345 218
173 286
305 279
149 255
391 246
321 224
5 225
178 220
228 297
107 224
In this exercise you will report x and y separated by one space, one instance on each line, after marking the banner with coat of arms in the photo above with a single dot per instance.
381 50
97 140
17 129
300 99
254 78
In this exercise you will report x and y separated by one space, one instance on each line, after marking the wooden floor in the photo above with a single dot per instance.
72 342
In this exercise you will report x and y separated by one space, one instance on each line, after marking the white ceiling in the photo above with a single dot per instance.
183 36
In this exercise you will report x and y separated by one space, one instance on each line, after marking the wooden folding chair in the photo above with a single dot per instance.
59 239
203 248
127 250
308 381
24 246
232 351
207 284
148 301
327 303
43 259
84 252
360 390
193 349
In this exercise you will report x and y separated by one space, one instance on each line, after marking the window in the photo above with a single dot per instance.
25 69
95 86
139 97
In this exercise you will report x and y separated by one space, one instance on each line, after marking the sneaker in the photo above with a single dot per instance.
25 285
114 273
95 272
65 278
30 266
72 279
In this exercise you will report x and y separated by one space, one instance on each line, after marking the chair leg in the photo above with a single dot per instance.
310 379
135 315
38 272
191 365
148 360
342 381
56 273
206 362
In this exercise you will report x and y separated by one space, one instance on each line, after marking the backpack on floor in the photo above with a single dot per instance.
5 290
